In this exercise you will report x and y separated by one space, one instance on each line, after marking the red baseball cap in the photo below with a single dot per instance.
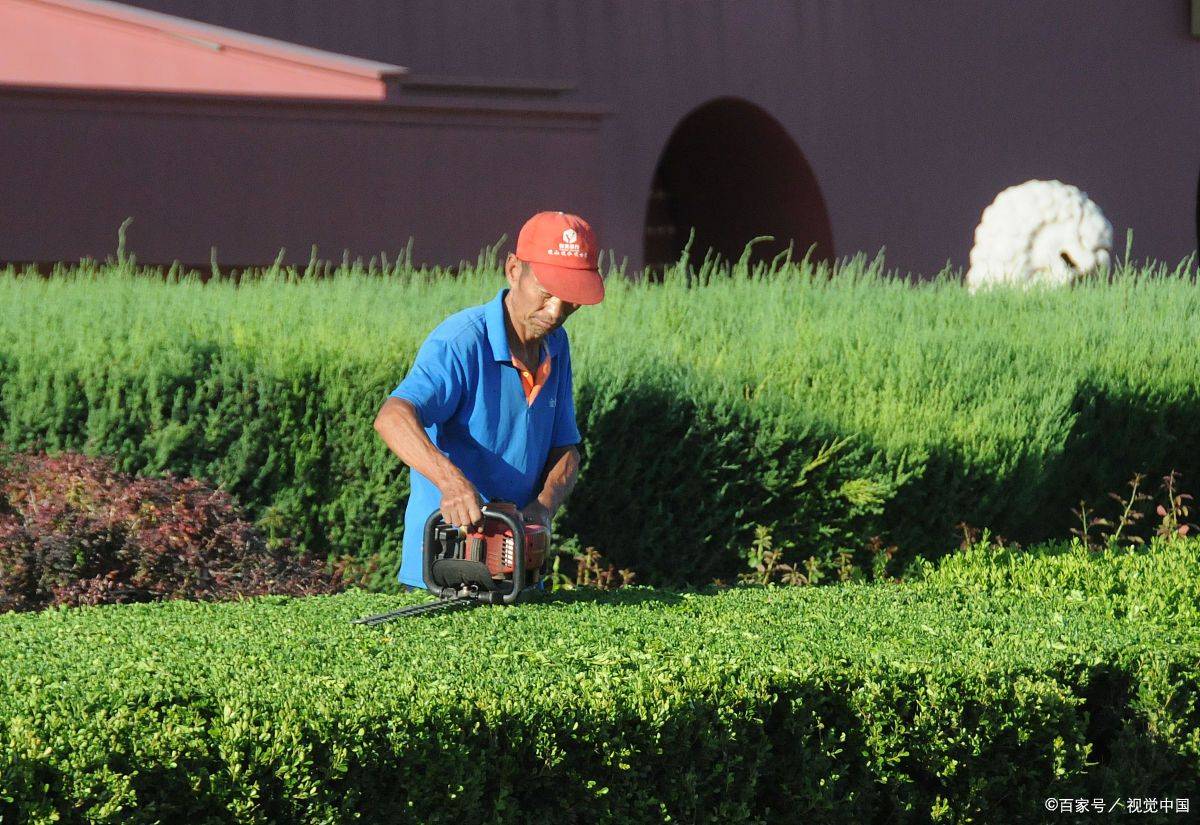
562 251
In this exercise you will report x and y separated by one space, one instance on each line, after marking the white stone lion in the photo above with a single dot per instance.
1039 232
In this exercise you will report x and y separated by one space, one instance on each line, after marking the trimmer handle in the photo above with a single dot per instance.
518 532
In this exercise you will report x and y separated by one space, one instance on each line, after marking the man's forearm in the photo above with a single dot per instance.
400 428
562 469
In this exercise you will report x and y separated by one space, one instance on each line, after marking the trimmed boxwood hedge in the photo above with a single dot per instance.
970 695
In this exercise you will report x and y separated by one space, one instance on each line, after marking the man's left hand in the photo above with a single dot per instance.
536 513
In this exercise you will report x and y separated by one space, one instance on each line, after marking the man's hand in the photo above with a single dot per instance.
461 504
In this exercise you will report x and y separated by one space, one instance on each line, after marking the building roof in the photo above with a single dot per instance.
106 45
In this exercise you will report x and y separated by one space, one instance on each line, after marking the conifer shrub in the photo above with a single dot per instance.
73 531
823 406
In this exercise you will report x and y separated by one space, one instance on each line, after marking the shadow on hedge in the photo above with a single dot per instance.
1111 437
673 489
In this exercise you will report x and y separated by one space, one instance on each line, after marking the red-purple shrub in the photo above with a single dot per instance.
73 531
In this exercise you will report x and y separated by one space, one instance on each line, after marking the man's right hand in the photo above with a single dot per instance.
461 504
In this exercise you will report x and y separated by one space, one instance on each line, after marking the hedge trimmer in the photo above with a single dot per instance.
498 564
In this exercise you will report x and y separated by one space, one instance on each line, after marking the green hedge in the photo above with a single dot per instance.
1123 582
826 409
952 699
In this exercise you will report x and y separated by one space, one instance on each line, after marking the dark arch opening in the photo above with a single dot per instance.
731 172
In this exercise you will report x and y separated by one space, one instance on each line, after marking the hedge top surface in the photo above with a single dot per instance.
1160 585
576 646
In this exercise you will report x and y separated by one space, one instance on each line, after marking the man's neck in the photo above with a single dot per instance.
525 351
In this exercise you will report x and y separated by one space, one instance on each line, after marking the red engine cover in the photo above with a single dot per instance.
497 545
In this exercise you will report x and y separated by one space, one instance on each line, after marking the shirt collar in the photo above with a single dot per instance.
497 333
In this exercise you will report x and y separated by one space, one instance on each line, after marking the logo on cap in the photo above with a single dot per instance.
570 246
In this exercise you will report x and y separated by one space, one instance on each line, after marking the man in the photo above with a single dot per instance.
487 412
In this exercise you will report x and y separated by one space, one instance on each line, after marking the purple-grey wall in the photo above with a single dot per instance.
911 116
251 177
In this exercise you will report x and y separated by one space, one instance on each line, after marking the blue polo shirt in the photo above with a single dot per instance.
469 398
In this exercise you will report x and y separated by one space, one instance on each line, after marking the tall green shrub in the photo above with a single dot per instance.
828 406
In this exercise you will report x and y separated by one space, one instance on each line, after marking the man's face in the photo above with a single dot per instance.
534 310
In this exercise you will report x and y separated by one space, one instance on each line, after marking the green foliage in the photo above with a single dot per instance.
1124 582
969 696
825 406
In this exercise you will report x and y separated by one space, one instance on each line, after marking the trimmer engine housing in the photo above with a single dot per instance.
498 564
493 564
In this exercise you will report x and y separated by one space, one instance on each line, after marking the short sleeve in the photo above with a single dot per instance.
565 430
434 385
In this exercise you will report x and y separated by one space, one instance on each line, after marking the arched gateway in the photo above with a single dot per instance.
732 172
